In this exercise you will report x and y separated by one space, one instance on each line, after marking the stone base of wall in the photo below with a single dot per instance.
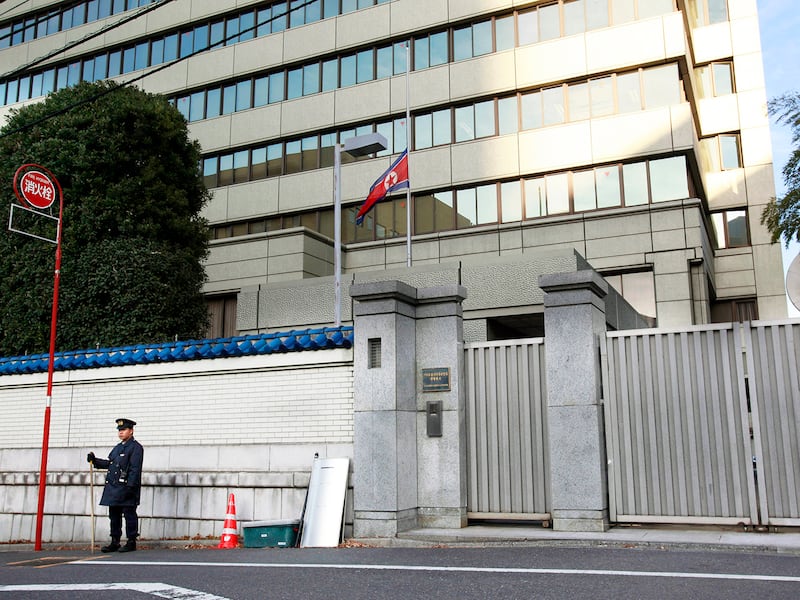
175 503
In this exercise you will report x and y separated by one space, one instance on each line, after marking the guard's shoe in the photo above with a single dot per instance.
129 546
112 547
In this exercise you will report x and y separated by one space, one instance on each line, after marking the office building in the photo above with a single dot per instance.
632 132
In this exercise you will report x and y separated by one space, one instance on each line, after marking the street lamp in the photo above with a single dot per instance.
360 145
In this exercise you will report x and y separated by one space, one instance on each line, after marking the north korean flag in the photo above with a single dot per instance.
395 178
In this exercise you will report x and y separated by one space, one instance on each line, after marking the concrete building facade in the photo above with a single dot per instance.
633 132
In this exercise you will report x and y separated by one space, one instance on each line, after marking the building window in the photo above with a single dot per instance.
730 228
707 12
715 79
724 152
638 289
609 186
221 316
734 311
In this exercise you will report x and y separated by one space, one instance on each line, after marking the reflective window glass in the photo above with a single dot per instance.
487 204
668 179
549 22
197 106
729 151
504 33
574 21
554 109
578 94
583 191
654 8
532 114
241 166
462 43
278 17
423 134
557 187
261 91
507 115
596 14
717 11
294 83
385 62
438 48
465 123
276 92
482 38
294 162
247 26
634 181
467 208
421 53
171 47
311 79
528 27
228 99
511 201
441 127
661 86
607 186
423 214
244 94
348 70
444 213
330 75
628 92
264 21
274 160
601 94
723 79
484 119
310 151
400 57
535 198
213 103
365 66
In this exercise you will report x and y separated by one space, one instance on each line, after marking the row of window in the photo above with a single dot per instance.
636 90
238 27
565 17
608 186
570 192
61 18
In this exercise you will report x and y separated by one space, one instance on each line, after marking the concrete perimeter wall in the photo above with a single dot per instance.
247 425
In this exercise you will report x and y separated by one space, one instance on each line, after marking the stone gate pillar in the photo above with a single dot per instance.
403 477
574 321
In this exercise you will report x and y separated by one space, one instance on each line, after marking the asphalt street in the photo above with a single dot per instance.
394 573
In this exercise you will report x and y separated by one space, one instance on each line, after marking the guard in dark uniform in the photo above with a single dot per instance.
123 486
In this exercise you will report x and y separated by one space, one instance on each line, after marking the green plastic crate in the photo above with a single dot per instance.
270 534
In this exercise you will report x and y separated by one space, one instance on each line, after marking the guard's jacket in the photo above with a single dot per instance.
124 478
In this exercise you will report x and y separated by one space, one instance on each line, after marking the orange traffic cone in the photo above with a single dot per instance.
230 533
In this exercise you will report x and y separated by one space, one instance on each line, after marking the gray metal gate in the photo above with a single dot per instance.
507 456
702 424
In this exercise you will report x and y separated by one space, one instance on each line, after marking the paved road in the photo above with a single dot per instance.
400 573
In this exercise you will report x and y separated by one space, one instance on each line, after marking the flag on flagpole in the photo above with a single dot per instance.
395 178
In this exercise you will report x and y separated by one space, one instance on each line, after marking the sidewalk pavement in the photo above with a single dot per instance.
727 539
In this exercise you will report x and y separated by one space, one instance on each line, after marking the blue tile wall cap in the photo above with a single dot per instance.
141 354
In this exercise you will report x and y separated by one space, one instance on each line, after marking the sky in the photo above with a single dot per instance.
780 45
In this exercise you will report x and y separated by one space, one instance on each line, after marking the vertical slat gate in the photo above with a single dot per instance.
506 431
772 366
677 427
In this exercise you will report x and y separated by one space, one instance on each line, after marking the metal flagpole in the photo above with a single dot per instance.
408 150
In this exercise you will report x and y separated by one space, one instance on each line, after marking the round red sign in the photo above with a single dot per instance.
37 190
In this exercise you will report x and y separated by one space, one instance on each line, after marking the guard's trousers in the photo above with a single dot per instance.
115 514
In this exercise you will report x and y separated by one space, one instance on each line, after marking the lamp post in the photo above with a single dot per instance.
360 145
